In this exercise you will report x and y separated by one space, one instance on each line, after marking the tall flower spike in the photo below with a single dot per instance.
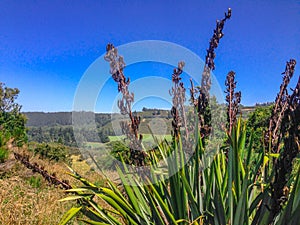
201 103
117 65
178 93
273 135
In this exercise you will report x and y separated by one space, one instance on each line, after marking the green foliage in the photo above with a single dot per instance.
52 151
3 154
35 181
12 122
63 135
55 127
223 192
7 99
257 124
118 151
3 151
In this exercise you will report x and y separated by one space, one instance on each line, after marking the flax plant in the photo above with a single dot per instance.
237 187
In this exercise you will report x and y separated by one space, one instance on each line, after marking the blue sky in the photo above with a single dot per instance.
46 46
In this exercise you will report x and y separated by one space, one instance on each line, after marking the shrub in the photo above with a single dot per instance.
257 123
52 151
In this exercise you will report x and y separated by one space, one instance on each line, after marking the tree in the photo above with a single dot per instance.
258 122
7 99
12 122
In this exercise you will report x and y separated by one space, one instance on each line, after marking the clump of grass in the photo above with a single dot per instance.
35 181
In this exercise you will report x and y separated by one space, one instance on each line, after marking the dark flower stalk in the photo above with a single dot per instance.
290 131
273 135
233 100
201 103
117 66
50 178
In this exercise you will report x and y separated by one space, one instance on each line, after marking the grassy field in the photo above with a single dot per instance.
94 145
146 138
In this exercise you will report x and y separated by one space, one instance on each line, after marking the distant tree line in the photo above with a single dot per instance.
57 126
65 134
264 104
41 119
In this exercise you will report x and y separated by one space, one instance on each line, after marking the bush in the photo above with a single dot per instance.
257 123
52 151
118 151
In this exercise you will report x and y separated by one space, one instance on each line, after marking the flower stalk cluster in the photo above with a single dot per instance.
290 133
130 129
273 135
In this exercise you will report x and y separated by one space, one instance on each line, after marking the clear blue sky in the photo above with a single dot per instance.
46 46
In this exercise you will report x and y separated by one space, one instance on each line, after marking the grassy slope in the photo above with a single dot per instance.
24 202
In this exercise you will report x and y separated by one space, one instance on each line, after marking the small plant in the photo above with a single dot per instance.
35 181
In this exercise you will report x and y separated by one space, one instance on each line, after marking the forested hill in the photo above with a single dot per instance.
40 119
48 119
57 126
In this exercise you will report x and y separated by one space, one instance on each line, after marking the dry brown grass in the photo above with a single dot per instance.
22 203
